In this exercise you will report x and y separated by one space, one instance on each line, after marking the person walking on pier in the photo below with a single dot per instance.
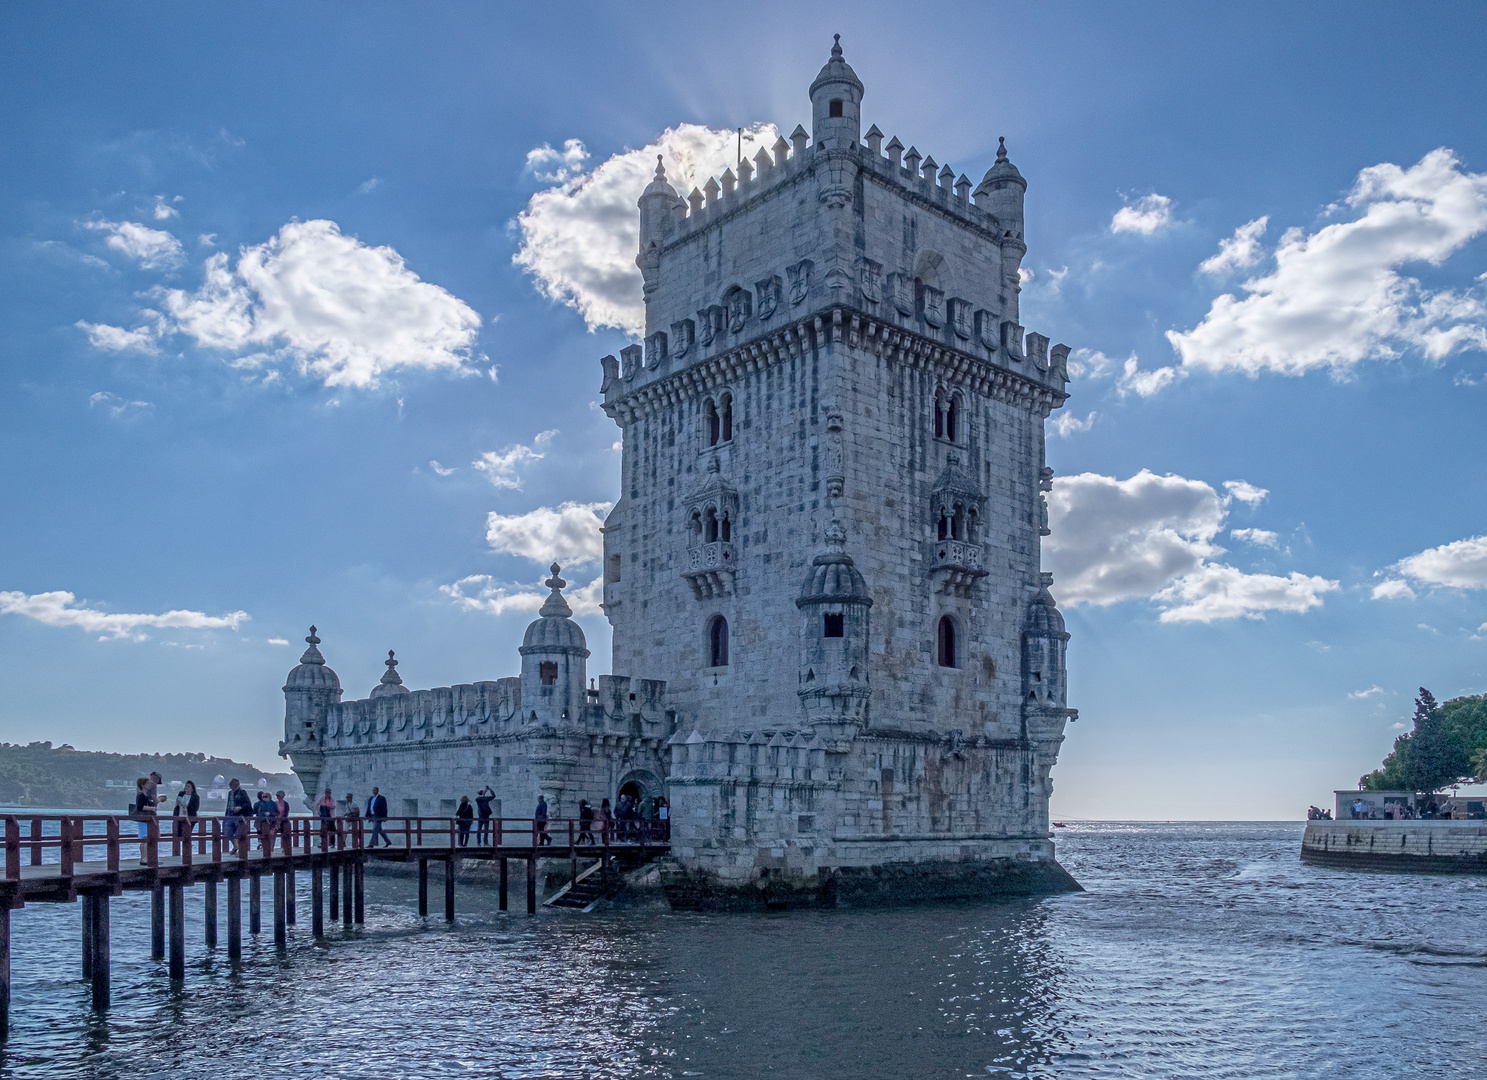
540 817
605 822
326 808
465 815
377 811
142 807
663 817
350 815
585 822
281 820
483 799
267 817
235 823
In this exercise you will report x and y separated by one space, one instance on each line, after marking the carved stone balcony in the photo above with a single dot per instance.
956 566
710 569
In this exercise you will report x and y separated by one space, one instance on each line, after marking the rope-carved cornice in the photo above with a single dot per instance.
840 325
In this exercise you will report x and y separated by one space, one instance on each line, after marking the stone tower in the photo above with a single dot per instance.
309 692
832 468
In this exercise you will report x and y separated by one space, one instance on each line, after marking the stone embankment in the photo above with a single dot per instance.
1429 847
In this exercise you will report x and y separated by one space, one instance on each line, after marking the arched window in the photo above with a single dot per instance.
710 526
952 419
971 521
958 523
717 642
726 420
942 530
725 528
947 642
939 418
713 423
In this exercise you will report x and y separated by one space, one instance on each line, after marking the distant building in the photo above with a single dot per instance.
843 666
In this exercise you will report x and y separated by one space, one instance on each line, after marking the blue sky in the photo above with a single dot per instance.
262 266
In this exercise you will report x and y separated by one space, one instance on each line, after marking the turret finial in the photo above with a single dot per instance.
660 168
555 583
836 49
312 639
390 677
1001 148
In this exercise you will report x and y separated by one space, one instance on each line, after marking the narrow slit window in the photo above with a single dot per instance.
717 642
710 527
725 422
947 642
713 423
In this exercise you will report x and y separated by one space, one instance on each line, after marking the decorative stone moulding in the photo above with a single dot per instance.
710 569
956 566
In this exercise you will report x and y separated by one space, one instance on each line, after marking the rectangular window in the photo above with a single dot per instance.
547 671
805 823
833 626
885 783
614 568
836 107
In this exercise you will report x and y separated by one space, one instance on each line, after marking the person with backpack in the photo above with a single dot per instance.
239 813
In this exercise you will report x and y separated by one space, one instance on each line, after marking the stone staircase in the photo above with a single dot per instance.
591 885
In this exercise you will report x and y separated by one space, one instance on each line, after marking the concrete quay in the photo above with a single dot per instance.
1418 847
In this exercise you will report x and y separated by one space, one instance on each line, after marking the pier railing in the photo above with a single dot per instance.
66 845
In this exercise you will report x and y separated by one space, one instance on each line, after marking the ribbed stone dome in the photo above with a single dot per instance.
834 579
1043 616
391 682
555 631
312 672
659 185
1001 171
837 70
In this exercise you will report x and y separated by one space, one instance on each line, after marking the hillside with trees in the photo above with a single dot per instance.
1447 746
39 774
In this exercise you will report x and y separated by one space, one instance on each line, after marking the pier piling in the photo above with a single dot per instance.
358 879
281 933
503 883
423 887
4 972
210 919
177 933
98 925
235 917
317 902
449 889
157 922
532 885
87 906
333 872
255 904
289 897
346 898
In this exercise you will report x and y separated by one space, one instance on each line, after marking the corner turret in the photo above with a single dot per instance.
660 210
834 631
311 688
836 104
553 655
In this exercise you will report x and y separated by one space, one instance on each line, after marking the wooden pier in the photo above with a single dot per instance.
64 858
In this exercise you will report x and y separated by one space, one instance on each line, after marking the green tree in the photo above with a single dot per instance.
1441 749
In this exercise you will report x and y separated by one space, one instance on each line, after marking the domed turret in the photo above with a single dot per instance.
553 654
391 682
1001 191
309 691
660 209
312 672
836 103
1043 642
834 630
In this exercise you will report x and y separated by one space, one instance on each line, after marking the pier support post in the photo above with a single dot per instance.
346 891
449 889
532 884
503 883
98 924
333 872
5 971
358 879
281 912
235 917
157 922
289 897
317 902
210 921
177 933
87 906
423 887
255 904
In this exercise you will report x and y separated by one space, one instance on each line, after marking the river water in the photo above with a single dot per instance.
1199 950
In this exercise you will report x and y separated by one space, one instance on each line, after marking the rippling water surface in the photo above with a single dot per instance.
1199 950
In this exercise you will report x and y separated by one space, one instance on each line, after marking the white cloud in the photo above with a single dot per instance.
151 248
207 239
1065 424
117 339
1025 274
1359 695
164 211
1222 592
341 311
1148 214
62 609
500 466
366 187
1336 296
1393 589
1237 252
1145 383
558 166
118 407
1153 537
481 592
579 239
1246 492
1260 537
440 469
568 533
278 641
1461 564
1091 364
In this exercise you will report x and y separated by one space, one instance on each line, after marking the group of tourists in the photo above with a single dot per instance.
644 821
267 815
